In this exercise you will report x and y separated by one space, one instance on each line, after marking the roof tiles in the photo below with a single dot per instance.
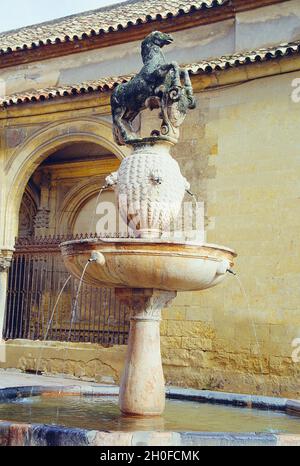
106 84
93 22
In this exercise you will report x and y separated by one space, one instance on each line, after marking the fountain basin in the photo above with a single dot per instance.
136 263
72 415
146 276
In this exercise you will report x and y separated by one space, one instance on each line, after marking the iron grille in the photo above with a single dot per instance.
36 277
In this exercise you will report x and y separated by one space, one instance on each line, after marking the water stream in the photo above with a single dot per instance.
95 211
74 308
193 196
73 314
258 346
243 291
50 322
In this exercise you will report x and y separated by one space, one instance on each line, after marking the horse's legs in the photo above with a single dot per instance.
174 71
188 88
186 79
176 76
119 130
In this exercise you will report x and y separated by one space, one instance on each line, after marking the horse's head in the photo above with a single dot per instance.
153 43
156 38
159 38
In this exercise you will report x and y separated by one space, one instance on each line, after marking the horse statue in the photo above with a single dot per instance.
157 85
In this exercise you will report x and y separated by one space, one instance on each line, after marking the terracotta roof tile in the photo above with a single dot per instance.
243 58
106 84
106 19
49 93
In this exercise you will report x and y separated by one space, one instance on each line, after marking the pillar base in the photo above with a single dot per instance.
142 388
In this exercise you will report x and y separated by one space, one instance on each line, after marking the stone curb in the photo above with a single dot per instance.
207 396
36 390
19 434
293 407
233 399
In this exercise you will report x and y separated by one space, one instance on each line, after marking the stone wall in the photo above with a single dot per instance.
243 161
81 360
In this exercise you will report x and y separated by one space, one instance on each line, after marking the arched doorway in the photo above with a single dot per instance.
59 203
60 197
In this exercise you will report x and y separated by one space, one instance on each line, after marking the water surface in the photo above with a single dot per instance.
102 413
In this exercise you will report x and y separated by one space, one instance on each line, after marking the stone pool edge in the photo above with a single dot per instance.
23 434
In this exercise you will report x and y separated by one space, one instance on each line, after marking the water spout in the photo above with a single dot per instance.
73 313
190 193
103 188
97 257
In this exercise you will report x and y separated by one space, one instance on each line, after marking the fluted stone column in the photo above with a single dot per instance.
142 388
5 262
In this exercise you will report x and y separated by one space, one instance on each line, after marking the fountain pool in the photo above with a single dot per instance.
90 415
102 413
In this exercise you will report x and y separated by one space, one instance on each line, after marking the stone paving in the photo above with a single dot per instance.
13 378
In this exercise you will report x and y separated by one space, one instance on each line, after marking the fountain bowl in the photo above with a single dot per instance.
157 264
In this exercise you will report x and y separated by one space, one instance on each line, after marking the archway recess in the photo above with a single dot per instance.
36 149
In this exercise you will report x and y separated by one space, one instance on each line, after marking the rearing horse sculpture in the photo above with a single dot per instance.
156 83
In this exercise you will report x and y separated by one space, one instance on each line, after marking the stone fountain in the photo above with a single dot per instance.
148 267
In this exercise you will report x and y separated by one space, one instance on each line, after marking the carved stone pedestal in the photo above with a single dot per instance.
142 388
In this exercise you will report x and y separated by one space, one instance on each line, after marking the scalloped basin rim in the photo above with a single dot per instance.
148 241
155 264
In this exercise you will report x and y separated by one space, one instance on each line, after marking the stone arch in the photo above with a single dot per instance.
37 148
27 213
75 199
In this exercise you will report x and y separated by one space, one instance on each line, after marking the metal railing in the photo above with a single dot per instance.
36 277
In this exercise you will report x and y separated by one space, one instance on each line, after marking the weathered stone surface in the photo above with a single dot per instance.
197 343
193 329
110 439
156 438
90 361
171 342
221 439
286 440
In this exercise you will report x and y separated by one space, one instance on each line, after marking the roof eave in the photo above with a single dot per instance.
91 40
